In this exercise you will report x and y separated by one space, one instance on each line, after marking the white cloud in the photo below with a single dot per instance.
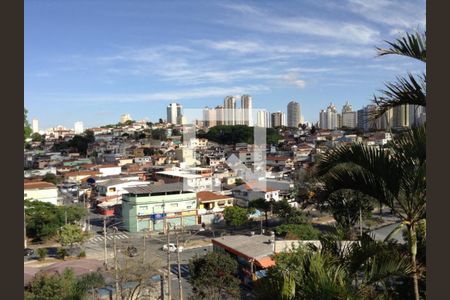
292 78
259 20
190 94
401 15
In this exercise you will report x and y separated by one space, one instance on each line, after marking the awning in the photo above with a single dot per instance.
265 262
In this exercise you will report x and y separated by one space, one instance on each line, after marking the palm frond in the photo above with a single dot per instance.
407 90
412 45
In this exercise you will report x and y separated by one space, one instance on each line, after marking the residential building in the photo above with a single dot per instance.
151 207
349 117
230 110
278 119
220 115
40 191
211 206
78 127
328 118
196 179
401 116
246 110
209 117
125 117
364 119
293 114
35 125
262 118
248 192
174 113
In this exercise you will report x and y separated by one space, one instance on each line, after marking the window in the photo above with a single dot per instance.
173 204
143 207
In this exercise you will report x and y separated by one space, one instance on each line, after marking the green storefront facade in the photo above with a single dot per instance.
150 207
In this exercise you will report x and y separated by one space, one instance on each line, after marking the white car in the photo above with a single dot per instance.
172 248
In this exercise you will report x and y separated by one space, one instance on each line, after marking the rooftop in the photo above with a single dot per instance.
30 185
156 188
256 246
208 196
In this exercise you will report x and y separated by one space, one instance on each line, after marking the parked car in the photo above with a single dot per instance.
172 248
28 252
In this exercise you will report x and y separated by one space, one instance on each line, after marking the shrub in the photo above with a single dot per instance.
42 253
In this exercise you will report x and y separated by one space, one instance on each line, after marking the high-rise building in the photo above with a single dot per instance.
349 117
278 119
401 116
328 119
246 110
262 118
293 114
416 113
365 119
125 117
35 125
174 113
78 127
230 110
209 117
220 115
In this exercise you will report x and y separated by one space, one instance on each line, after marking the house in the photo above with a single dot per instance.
152 206
109 170
279 161
40 191
78 176
196 179
211 206
252 253
254 190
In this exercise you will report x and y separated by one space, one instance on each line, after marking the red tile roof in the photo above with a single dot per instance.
208 196
30 185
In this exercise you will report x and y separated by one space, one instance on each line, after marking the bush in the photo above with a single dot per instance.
61 253
82 254
42 253
298 231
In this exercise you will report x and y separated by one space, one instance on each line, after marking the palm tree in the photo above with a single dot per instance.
395 176
408 89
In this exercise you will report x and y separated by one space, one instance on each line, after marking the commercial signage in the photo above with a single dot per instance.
157 216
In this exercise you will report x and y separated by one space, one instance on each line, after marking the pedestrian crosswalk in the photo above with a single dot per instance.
109 237
184 270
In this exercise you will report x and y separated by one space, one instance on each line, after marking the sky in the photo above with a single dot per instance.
93 61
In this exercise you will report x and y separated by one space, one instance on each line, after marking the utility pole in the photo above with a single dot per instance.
143 255
180 287
104 239
115 263
169 283
360 222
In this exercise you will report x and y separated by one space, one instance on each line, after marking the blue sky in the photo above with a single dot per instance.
92 61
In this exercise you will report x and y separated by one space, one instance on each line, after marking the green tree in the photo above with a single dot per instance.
298 231
50 177
235 215
26 125
346 207
70 234
263 205
44 219
36 137
214 276
396 177
62 286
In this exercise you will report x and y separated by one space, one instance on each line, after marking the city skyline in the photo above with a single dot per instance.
104 59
